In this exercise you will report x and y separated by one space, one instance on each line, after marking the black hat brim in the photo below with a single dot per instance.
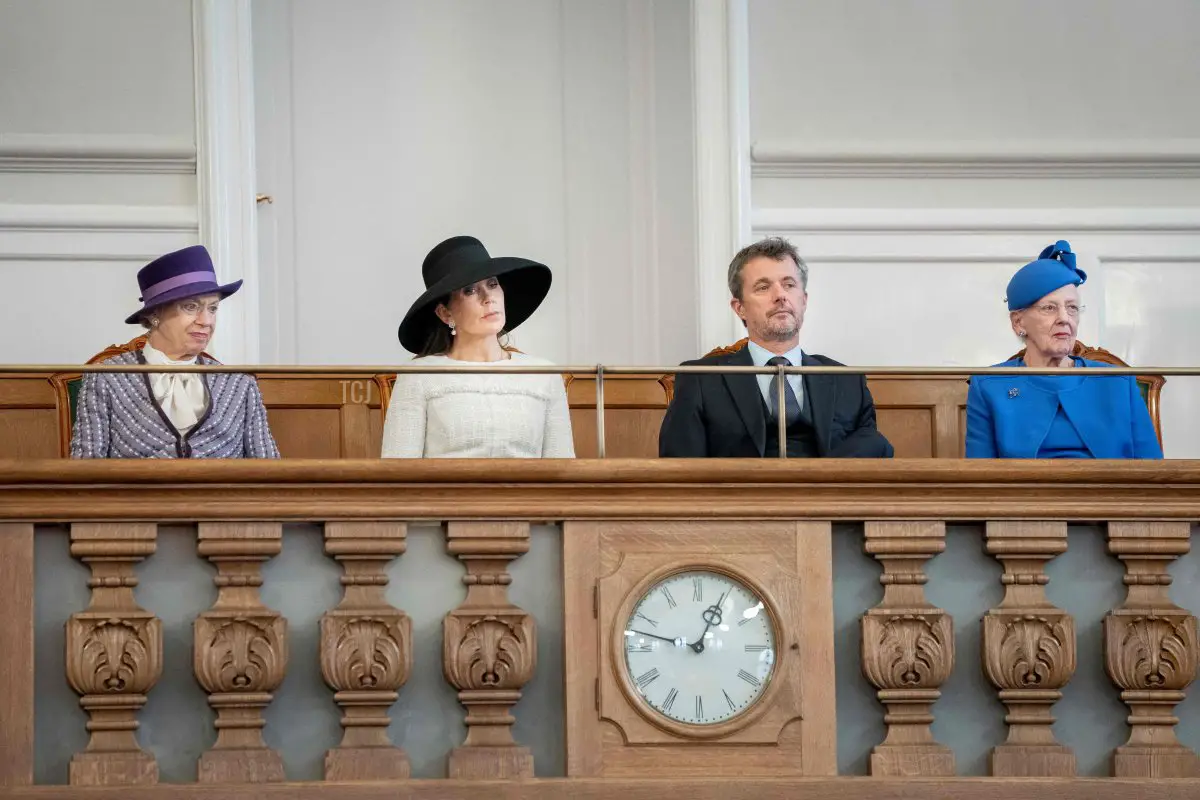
526 284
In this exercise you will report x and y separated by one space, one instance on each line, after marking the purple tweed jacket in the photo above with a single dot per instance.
117 417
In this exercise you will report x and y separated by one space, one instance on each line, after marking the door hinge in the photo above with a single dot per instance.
595 600
597 694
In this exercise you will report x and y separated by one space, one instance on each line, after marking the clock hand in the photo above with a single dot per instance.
712 616
655 636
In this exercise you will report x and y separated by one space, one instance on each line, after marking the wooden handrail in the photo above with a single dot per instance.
545 489
304 370
641 788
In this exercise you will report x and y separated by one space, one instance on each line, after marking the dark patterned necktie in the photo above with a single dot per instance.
792 405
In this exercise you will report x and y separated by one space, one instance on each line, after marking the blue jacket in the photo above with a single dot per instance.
1008 416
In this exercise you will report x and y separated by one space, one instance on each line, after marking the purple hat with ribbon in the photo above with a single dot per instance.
185 273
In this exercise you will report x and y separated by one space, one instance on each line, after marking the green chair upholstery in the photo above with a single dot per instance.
67 385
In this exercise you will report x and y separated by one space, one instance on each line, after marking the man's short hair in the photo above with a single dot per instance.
775 247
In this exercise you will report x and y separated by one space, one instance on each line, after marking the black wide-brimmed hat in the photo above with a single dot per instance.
459 262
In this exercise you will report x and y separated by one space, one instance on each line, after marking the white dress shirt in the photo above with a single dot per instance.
760 355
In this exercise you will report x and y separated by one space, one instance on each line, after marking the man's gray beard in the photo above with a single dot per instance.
777 333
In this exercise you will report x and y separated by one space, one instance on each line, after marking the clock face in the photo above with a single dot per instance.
700 647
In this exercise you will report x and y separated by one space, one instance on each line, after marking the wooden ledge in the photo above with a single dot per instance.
605 471
536 490
646 789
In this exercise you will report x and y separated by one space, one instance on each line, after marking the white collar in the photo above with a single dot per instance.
181 395
760 355
155 356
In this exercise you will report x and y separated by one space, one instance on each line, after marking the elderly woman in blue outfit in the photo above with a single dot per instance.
1043 416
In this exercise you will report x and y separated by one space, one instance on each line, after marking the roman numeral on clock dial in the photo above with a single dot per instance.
748 678
647 678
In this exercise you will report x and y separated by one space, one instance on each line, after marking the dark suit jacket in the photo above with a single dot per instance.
723 416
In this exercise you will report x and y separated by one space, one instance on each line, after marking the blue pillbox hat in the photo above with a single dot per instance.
1054 269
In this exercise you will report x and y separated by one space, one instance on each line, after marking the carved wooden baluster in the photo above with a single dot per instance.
1028 650
489 650
366 651
114 654
240 652
1151 648
907 649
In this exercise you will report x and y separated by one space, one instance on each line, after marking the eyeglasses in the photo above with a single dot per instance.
1052 309
193 307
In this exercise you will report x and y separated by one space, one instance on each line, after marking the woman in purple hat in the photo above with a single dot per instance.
1043 416
173 415
471 301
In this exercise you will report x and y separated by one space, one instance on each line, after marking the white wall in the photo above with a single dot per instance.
945 69
97 165
558 130
919 152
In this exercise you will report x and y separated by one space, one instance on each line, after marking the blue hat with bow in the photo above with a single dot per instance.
1054 269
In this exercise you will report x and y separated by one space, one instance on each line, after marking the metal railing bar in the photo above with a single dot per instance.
781 411
600 440
301 370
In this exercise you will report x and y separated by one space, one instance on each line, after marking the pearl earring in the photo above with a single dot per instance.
154 322
453 332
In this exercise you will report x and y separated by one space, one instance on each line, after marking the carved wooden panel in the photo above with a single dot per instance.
323 416
907 649
16 654
240 652
634 406
789 730
1151 648
366 651
341 415
29 419
1028 650
113 654
489 650
921 416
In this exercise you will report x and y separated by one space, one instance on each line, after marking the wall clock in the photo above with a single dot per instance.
699 648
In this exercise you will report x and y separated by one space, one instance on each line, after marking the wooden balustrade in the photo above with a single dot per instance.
908 649
366 651
114 654
761 529
240 651
489 650
1151 650
1030 649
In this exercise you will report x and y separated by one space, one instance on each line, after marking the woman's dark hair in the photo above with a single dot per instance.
439 341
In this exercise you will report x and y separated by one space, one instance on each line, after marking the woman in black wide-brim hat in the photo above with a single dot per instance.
471 300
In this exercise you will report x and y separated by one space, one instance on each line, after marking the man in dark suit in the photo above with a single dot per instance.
736 415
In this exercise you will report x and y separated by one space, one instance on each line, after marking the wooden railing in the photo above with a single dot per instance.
765 525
